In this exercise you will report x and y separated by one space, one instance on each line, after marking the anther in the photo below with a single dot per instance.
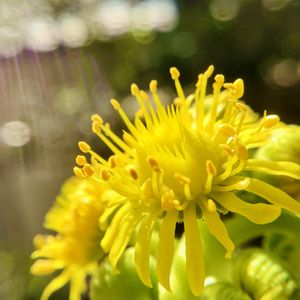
211 205
182 179
174 73
219 79
78 172
88 170
80 160
84 147
153 86
133 173
153 164
115 103
270 121
112 161
242 152
209 71
96 127
104 174
39 241
211 168
134 89
96 118
226 129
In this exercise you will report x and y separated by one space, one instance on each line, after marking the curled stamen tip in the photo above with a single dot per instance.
153 86
211 205
211 168
219 79
182 179
174 73
84 147
80 160
239 86
228 150
96 118
227 129
134 89
270 121
78 173
209 71
115 103
88 170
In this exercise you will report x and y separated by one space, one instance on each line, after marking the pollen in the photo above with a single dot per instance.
81 160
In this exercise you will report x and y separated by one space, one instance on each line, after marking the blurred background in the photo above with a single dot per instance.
62 60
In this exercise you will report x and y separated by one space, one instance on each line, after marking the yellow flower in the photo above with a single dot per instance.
75 249
180 162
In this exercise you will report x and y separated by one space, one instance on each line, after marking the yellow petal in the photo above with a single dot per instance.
143 247
123 236
78 285
57 283
166 248
218 229
273 195
259 213
112 230
194 253
285 168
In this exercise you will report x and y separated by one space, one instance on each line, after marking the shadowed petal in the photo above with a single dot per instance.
194 253
259 213
273 195
55 284
218 229
166 248
285 168
143 247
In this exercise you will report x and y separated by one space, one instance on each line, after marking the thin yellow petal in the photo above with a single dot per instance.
285 168
57 283
112 230
78 285
194 253
143 247
123 236
165 249
259 213
273 195
218 229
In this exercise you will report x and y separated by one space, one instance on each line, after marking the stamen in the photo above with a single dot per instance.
228 150
236 88
79 173
88 170
182 179
168 200
153 164
97 118
223 130
80 160
211 172
201 86
116 105
133 173
104 174
219 80
84 147
243 108
175 76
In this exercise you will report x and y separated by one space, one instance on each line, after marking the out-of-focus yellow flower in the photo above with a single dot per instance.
183 161
75 249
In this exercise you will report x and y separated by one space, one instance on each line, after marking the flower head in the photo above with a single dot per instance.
180 162
75 249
